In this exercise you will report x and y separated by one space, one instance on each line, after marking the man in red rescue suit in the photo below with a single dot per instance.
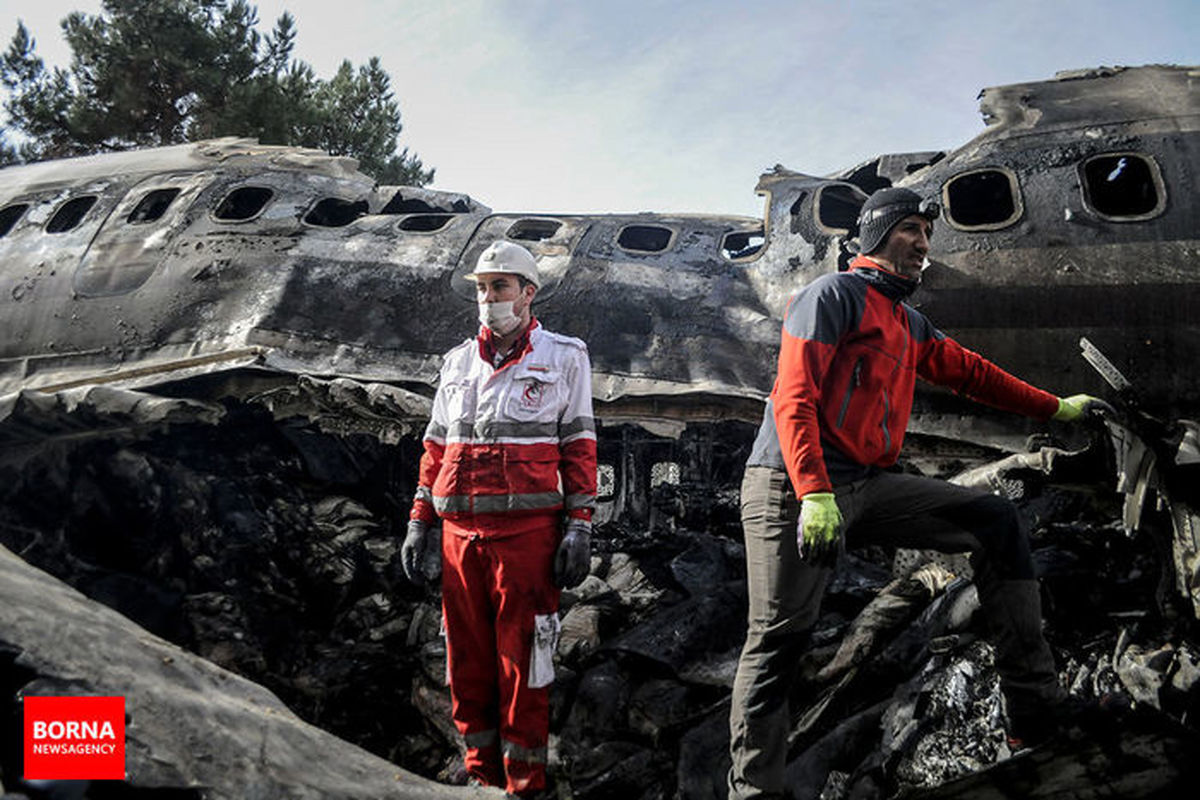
851 352
510 468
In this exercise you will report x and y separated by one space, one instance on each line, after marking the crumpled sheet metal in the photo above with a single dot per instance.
1138 472
1185 549
1189 445
990 476
122 406
343 406
31 420
1143 671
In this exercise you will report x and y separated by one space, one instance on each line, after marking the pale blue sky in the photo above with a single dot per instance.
665 105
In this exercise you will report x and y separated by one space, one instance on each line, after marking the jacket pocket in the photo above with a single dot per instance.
533 394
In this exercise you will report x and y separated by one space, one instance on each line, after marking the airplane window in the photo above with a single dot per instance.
533 230
984 199
244 203
70 214
425 223
153 205
333 212
742 244
838 206
9 215
645 238
1122 185
795 211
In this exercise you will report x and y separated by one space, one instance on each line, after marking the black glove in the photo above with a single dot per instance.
574 554
416 554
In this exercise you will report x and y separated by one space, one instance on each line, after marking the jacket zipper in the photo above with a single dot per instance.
855 379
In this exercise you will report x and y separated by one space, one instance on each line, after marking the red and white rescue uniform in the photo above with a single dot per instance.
510 450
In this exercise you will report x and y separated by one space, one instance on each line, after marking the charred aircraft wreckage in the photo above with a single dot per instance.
217 363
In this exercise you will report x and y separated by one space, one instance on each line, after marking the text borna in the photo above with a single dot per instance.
73 729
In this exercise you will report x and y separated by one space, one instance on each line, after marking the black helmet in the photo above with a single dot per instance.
884 209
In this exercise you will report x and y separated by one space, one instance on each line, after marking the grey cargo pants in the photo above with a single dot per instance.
785 597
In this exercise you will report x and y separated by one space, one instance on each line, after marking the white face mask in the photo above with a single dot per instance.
499 317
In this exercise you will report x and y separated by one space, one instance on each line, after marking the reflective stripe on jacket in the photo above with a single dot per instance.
516 440
850 355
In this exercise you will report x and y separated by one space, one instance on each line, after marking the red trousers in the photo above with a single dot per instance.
497 577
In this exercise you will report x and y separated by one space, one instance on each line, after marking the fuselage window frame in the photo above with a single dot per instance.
153 206
71 213
533 229
10 215
643 228
748 254
1156 182
229 197
817 205
1014 190
334 212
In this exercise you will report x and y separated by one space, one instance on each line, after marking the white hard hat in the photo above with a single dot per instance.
502 256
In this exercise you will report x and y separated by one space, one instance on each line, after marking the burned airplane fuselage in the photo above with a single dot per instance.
148 267
1071 215
227 268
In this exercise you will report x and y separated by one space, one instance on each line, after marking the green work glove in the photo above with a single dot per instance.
574 555
421 553
1078 405
819 527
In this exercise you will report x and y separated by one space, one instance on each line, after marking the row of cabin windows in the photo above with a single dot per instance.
241 204
1117 186
641 238
247 202
1121 187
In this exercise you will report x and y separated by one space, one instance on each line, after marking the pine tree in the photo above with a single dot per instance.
155 72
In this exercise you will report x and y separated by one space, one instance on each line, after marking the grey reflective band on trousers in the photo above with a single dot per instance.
515 752
481 738
496 503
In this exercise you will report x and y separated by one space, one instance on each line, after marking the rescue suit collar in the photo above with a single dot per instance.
893 285
489 352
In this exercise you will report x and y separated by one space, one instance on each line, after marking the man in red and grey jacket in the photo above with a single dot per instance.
510 468
851 352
